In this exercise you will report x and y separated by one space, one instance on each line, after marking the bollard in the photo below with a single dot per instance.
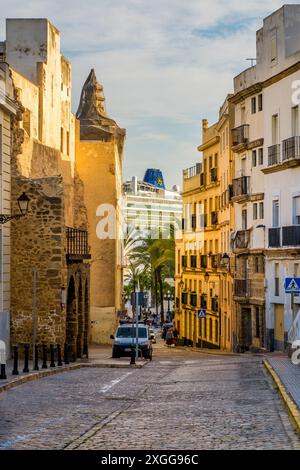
132 357
26 358
16 358
36 357
52 363
59 361
44 365
66 354
3 373
2 360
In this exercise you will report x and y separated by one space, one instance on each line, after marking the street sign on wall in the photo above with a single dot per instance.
202 313
292 285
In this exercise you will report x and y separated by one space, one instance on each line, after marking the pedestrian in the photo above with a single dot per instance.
170 337
175 334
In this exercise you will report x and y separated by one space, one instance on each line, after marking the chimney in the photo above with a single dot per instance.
204 124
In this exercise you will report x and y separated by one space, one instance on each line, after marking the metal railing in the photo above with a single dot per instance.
191 172
242 239
240 135
291 235
77 243
291 148
242 287
274 155
274 237
241 186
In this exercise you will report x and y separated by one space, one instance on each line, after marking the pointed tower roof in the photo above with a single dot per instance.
94 121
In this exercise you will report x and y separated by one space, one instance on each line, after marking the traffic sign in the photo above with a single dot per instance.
292 285
202 313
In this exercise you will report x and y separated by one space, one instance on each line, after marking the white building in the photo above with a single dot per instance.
267 186
7 110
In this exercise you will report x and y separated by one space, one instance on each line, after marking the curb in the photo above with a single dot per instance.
212 352
46 373
287 400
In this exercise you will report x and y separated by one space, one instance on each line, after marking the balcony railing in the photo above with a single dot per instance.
242 287
193 300
291 148
240 135
214 218
203 263
274 237
242 239
274 155
203 301
213 175
215 304
215 261
77 244
291 235
241 186
191 172
184 298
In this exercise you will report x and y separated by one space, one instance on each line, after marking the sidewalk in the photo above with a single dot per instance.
286 377
99 357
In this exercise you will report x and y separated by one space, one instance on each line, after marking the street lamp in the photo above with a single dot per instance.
206 277
168 297
23 203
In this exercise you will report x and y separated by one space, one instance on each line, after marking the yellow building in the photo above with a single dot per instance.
99 155
202 278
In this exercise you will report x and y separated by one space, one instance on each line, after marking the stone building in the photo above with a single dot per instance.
8 113
99 159
53 239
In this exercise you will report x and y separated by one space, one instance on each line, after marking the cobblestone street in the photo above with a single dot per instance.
182 400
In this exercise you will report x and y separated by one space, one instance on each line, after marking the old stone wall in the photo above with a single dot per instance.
37 243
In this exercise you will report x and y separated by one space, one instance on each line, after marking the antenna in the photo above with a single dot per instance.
252 60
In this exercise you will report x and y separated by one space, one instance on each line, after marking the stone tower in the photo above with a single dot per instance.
99 155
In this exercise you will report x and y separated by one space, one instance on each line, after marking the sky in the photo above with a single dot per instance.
165 65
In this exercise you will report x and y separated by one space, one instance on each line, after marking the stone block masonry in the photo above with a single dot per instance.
38 241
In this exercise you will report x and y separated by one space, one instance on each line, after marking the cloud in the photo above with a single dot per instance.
164 64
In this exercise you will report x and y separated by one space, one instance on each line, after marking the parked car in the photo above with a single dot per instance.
125 340
152 335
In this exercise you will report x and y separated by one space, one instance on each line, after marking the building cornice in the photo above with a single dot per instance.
257 87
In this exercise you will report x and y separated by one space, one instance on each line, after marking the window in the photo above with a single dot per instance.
244 219
193 261
255 211
275 129
261 210
275 213
254 158
216 331
295 121
260 102
253 105
296 210
296 269
274 47
261 156
276 280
